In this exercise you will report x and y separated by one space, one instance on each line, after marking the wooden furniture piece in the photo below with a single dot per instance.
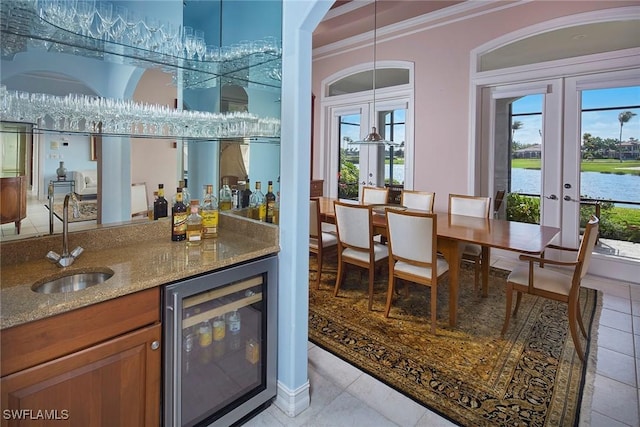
319 241
413 254
13 200
472 206
544 282
456 230
421 200
100 363
375 195
317 187
355 242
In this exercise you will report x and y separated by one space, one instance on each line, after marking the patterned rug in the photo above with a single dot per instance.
87 211
468 373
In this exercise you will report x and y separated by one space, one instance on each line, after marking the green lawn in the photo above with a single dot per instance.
598 165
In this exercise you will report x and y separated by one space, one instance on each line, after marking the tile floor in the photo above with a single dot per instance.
37 222
342 395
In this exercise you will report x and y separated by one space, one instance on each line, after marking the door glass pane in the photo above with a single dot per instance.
610 167
518 158
349 159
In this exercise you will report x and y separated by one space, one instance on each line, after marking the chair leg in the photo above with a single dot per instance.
476 265
319 270
434 310
507 316
582 328
518 298
339 275
390 290
372 270
573 308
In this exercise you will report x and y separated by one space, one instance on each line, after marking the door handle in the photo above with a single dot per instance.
363 183
570 199
552 197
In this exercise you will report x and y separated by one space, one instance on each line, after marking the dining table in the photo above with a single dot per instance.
455 231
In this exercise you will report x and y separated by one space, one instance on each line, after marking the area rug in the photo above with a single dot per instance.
87 211
468 374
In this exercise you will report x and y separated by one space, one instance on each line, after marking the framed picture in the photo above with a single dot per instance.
93 147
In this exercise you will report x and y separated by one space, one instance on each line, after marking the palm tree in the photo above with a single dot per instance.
514 127
623 118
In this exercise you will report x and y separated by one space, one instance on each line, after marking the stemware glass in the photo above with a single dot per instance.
85 11
119 25
105 12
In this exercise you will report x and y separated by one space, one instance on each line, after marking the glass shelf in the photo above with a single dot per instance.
23 27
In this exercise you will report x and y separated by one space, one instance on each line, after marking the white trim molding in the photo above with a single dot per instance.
292 402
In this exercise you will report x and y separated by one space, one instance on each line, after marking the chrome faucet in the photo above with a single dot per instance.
66 259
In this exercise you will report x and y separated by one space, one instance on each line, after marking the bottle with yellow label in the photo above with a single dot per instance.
226 196
257 204
209 213
179 218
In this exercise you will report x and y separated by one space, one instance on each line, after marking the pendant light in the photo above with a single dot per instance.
374 137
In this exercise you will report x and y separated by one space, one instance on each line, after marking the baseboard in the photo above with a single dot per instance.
292 402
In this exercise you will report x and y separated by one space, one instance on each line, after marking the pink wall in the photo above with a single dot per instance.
441 56
154 160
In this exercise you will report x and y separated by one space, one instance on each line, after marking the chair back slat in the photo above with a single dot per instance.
587 245
411 235
476 206
314 218
353 223
421 200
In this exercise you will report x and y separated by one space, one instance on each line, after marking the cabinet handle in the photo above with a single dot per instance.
155 345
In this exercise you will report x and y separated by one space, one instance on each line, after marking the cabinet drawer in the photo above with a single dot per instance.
316 187
36 342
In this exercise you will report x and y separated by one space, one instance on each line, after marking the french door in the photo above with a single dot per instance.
350 159
544 108
559 182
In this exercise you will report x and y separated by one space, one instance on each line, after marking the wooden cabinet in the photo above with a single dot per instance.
95 366
317 187
13 203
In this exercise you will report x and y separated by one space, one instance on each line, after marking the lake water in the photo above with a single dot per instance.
594 185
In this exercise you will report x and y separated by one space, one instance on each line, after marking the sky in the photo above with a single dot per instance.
604 124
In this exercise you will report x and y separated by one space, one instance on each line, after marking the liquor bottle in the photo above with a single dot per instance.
178 218
257 204
194 224
226 197
270 200
209 213
186 195
160 205
246 194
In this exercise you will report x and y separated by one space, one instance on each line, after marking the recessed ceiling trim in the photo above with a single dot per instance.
405 27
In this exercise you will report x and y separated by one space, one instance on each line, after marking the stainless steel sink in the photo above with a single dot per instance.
72 281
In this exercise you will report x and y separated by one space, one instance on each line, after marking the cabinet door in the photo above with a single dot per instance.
115 383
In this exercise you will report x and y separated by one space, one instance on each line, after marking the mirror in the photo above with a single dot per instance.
119 161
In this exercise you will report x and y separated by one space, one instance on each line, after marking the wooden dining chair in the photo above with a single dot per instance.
319 241
375 195
421 200
556 285
476 206
413 254
355 242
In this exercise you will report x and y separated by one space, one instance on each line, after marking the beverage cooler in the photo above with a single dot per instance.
220 345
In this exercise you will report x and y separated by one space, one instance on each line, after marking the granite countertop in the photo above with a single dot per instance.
146 258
